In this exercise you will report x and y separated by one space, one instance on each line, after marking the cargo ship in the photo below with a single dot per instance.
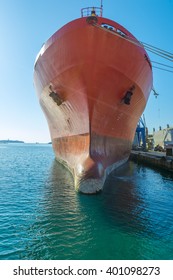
93 79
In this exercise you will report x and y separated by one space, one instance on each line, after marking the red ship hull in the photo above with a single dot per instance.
83 75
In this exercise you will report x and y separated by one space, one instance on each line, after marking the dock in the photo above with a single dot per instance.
153 159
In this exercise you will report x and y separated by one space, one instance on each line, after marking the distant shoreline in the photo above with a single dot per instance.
11 141
19 142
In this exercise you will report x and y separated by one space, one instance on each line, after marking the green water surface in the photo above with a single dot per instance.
43 217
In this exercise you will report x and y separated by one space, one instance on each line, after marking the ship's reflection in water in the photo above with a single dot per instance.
43 217
130 219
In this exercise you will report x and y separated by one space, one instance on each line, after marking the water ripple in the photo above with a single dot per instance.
43 217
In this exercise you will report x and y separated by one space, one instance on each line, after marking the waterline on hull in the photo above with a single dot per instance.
91 185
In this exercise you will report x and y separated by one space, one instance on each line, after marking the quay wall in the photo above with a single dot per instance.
155 159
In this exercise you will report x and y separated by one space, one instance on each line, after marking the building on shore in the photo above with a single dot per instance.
163 137
159 140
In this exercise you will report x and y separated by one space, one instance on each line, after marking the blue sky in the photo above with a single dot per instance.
26 24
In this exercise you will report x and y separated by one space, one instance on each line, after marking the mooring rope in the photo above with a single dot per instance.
157 51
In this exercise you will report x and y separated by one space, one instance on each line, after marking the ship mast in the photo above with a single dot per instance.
101 5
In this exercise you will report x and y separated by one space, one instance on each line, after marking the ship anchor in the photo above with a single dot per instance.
128 95
54 95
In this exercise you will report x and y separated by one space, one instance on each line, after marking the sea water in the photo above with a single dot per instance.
43 217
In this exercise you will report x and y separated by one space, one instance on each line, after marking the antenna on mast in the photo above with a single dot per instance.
101 5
